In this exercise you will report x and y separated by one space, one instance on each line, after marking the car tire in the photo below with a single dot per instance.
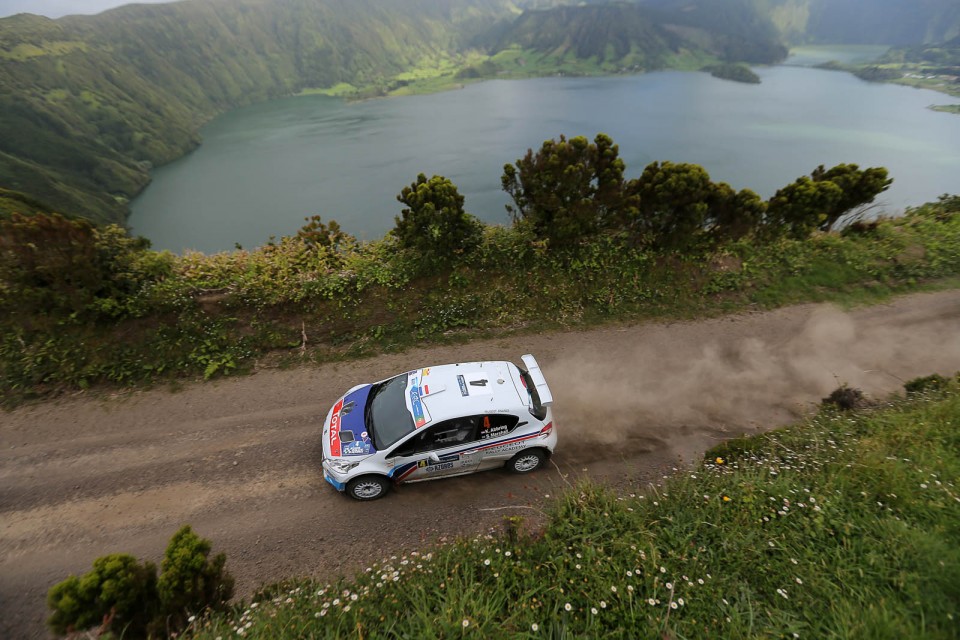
527 461
368 487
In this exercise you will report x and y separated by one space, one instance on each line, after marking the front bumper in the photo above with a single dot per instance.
335 479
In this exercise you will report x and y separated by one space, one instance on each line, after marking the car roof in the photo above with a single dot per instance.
470 388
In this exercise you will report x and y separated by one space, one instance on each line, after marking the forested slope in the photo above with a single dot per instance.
90 103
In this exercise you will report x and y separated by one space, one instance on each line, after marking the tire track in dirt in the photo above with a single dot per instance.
239 458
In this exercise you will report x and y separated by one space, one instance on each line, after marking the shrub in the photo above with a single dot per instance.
846 398
119 594
191 581
568 190
925 384
125 597
434 222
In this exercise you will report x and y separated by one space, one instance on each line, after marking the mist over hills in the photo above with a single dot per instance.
92 103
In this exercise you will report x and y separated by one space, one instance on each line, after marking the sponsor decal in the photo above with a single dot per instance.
464 391
439 467
357 448
335 429
416 406
425 373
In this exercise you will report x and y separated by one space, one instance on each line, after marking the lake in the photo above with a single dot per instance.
262 169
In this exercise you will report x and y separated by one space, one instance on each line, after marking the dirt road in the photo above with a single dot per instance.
239 459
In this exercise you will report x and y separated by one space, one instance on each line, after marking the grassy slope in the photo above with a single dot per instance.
212 315
841 526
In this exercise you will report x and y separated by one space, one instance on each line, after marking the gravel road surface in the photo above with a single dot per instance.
239 459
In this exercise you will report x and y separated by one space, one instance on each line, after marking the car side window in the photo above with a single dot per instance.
497 424
440 436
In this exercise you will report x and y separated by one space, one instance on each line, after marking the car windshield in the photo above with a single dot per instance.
386 413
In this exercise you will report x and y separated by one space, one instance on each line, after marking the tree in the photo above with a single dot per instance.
819 201
434 222
859 188
734 214
568 190
801 207
674 204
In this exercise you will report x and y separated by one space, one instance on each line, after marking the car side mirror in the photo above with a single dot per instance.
433 457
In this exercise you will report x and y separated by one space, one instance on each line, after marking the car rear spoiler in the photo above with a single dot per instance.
546 398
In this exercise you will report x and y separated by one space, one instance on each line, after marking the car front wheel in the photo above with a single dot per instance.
527 461
367 487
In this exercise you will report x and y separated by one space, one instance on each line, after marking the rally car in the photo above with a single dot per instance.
441 421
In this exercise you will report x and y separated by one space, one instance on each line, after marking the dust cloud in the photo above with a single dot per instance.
689 387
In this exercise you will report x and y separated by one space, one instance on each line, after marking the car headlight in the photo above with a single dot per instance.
342 466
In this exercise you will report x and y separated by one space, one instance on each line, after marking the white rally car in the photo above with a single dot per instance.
441 421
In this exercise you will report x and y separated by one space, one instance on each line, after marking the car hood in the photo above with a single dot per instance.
345 433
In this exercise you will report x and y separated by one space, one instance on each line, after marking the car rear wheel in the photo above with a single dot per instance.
527 461
367 487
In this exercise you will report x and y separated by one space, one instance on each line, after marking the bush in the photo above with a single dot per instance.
191 582
434 223
568 190
846 398
926 384
125 597
119 594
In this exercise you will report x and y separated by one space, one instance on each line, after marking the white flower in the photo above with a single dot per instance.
346 608
568 606
508 554
673 605
603 604
680 601
669 586
535 627
191 618
594 611
466 623
613 589
651 601
486 562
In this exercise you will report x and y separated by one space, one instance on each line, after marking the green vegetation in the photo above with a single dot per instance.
94 103
127 598
842 526
434 224
82 305
735 72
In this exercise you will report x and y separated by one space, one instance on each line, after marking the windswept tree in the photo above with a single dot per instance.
859 188
801 207
434 221
568 190
819 201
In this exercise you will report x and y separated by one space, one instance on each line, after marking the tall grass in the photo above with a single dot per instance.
844 526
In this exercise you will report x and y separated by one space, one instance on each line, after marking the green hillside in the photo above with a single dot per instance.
92 103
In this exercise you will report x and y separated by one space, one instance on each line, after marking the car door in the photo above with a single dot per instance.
499 439
443 449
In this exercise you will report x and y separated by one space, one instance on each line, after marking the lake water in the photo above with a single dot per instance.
263 168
